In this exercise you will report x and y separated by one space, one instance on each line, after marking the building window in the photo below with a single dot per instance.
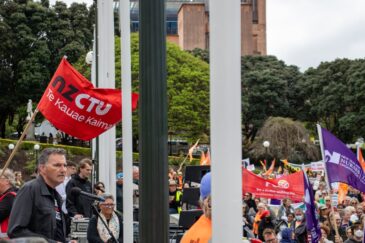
255 15
171 27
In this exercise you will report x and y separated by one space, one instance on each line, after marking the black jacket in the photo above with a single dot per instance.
78 204
34 212
92 231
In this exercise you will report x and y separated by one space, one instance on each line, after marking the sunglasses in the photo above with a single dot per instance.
107 205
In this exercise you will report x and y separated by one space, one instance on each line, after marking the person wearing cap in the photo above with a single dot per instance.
175 196
201 231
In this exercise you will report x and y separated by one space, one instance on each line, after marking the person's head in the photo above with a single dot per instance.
261 207
349 232
71 168
52 166
327 200
99 187
359 210
357 232
7 180
257 200
85 168
323 210
337 219
18 175
205 195
290 217
172 185
270 235
347 201
325 231
247 196
354 202
346 214
107 207
286 202
299 215
119 178
135 172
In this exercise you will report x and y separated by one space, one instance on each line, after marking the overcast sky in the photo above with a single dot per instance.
306 32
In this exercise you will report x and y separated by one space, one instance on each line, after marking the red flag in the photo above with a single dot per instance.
73 105
290 186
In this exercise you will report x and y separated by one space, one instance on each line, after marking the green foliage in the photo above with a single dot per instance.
187 83
334 96
288 140
267 90
33 38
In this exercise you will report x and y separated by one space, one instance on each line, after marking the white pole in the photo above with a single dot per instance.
319 130
124 22
225 108
106 78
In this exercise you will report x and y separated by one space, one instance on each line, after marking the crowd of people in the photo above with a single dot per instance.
45 207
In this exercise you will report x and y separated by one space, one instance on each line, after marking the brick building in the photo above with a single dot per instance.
187 24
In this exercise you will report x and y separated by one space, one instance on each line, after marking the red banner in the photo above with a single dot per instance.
73 105
290 186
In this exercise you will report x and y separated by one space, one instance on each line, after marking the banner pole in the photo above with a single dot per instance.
326 178
19 141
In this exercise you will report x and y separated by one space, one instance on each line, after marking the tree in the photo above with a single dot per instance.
288 140
187 84
335 97
24 56
33 38
267 90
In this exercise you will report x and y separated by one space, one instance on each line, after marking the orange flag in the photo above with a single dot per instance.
202 158
191 150
271 169
342 191
360 158
206 160
263 165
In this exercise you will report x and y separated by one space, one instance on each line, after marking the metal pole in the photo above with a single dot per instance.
125 47
225 113
153 207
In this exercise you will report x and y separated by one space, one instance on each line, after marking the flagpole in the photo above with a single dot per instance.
19 141
319 130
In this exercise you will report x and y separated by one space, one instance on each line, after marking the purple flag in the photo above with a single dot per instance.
341 162
310 213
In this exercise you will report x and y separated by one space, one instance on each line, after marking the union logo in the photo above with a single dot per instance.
283 184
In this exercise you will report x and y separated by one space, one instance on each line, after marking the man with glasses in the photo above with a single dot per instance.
270 236
7 196
37 208
249 201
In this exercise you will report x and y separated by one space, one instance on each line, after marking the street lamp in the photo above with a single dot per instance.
36 149
89 58
266 145
11 147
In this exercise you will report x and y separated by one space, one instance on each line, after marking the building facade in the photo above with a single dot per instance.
187 24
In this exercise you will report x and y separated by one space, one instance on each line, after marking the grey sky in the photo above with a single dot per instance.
306 32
